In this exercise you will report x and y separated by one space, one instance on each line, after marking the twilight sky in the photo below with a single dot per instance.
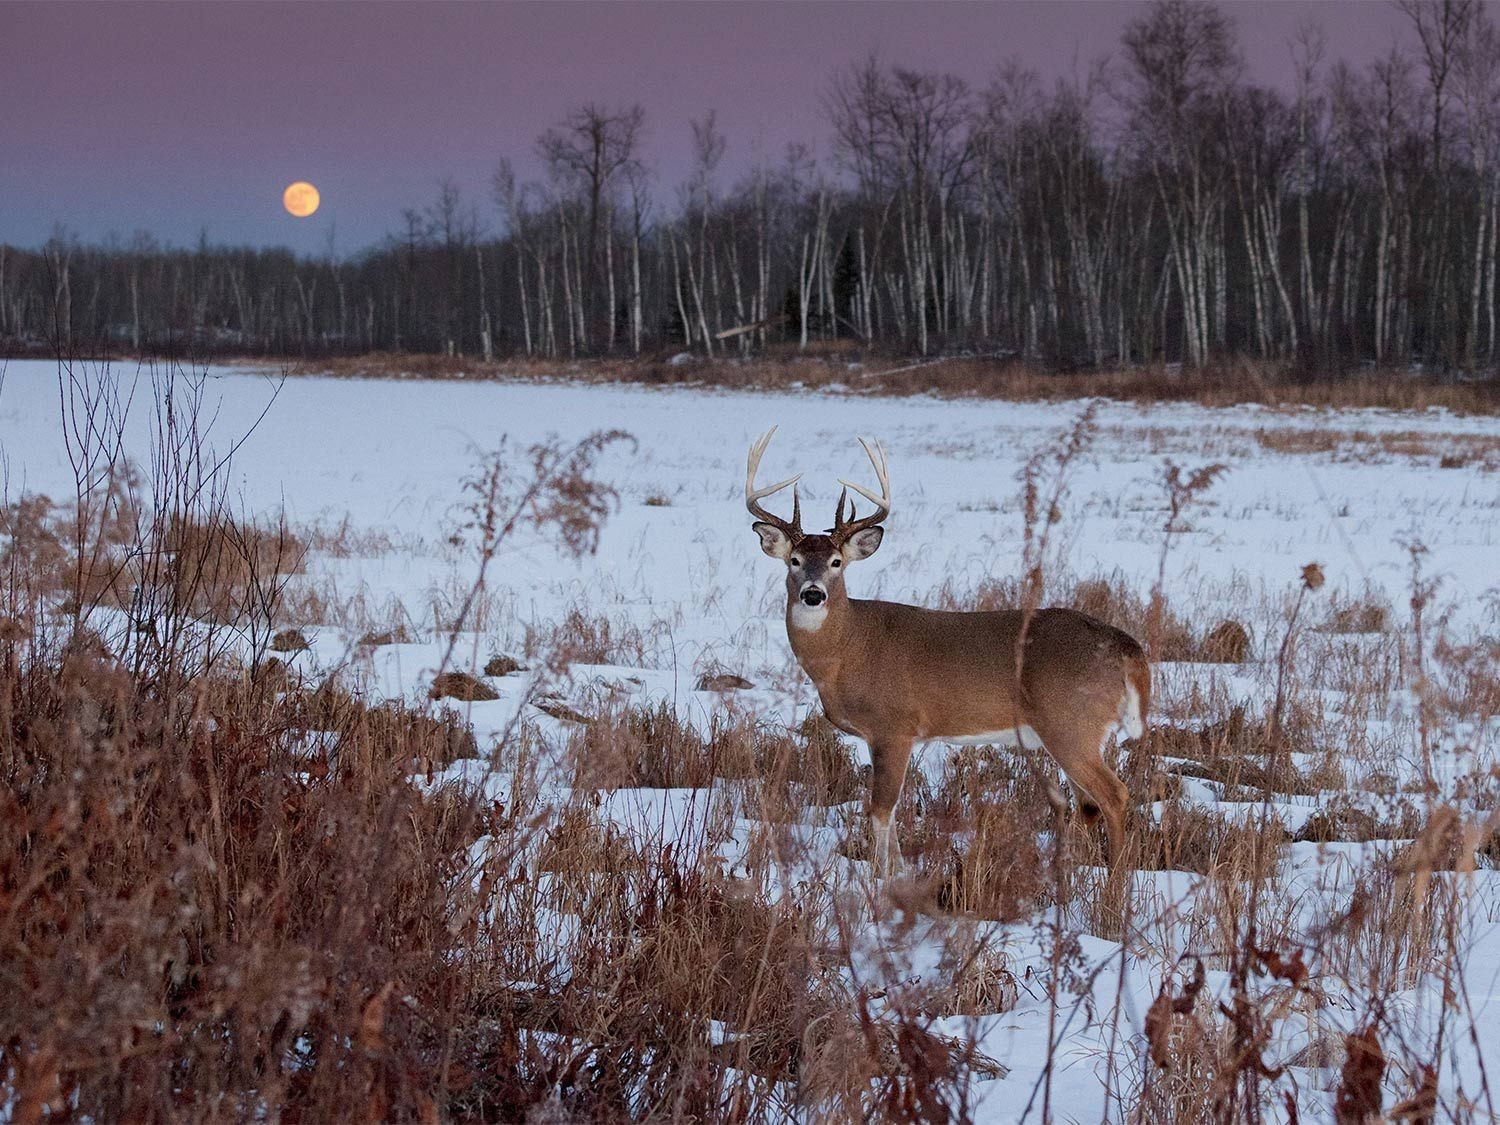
179 118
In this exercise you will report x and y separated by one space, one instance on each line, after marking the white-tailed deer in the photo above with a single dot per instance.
895 674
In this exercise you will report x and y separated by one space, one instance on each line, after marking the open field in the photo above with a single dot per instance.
650 899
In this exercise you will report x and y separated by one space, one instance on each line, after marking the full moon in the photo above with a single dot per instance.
300 199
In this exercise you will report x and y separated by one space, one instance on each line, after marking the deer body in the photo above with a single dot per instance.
894 675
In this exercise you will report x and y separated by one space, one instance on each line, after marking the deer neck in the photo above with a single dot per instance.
819 635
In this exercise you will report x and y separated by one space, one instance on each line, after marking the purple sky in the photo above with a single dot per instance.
174 118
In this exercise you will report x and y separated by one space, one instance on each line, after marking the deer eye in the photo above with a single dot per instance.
796 561
836 563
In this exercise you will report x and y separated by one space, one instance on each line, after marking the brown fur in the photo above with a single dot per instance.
895 675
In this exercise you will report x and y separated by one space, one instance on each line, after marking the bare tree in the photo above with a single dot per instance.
1183 60
1160 208
1478 71
592 151
1442 26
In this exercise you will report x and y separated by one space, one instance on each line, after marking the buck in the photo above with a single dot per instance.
894 675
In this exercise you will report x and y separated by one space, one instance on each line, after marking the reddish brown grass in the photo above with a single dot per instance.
1224 384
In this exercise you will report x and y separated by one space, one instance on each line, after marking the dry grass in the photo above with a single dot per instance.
654 749
196 904
217 565
207 565
1237 753
215 925
586 637
228 892
306 930
1168 635
1447 451
1225 384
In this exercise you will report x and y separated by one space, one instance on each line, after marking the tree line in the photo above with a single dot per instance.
1160 207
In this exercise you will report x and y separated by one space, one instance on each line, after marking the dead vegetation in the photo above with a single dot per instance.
1223 384
399 635
228 890
502 665
585 637
1115 603
1450 451
653 748
987 817
463 687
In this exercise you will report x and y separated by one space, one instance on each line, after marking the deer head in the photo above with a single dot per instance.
815 563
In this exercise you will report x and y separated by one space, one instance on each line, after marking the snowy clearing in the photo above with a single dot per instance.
377 469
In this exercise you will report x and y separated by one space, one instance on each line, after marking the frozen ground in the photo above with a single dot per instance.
385 460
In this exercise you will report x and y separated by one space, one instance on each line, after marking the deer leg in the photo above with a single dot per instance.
1080 753
888 759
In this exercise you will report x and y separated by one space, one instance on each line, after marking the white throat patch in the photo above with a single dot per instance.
808 618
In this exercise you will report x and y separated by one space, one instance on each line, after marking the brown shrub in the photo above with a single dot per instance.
1368 614
1237 753
47 551
197 880
1190 838
585 638
983 985
463 687
1228 642
818 760
1445 841
1167 637
305 940
32 543
1283 440
561 710
424 741
1108 600
1343 821
997 871
642 748
782 365
343 540
1470 683
502 665
392 365
289 640
983 818
327 706
223 569
396 636
1457 450
271 674
653 748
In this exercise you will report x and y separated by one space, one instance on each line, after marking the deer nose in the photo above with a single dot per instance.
813 596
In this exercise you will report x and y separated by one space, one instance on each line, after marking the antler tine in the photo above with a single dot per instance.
882 502
754 495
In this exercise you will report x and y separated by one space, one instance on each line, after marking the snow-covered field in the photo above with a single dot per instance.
378 466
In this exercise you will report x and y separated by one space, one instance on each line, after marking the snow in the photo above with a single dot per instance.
387 458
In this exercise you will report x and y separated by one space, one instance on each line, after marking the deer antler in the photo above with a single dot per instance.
845 529
753 495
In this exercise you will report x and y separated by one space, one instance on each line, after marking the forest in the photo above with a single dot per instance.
1159 207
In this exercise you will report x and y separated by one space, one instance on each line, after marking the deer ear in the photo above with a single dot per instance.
864 544
773 541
